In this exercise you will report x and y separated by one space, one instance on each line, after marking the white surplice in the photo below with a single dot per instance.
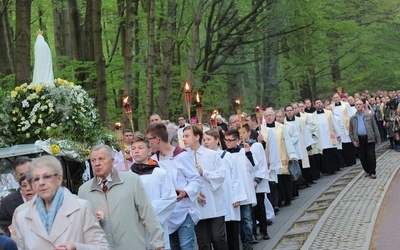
213 179
246 173
273 159
184 176
304 141
339 110
161 193
324 136
233 187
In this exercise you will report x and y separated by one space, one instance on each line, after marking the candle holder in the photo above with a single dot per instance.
128 111
120 139
199 109
238 108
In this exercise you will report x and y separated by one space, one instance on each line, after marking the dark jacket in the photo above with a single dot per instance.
370 125
8 206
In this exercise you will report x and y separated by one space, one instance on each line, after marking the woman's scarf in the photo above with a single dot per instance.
48 217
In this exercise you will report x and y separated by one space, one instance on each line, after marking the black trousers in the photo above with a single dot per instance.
211 231
232 233
366 152
330 161
260 214
274 195
286 188
349 153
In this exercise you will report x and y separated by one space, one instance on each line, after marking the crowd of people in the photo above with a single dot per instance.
175 186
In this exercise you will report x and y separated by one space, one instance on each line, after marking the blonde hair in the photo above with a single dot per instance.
48 161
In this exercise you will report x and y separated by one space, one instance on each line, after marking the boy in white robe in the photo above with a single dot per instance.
187 183
260 182
157 183
233 189
211 227
245 162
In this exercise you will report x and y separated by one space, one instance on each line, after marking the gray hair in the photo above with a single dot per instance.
48 161
109 150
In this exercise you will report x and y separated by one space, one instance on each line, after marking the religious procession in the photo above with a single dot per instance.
204 168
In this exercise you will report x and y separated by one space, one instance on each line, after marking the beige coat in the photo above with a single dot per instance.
75 222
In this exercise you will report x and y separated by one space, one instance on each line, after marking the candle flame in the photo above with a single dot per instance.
197 97
187 87
118 125
126 100
238 102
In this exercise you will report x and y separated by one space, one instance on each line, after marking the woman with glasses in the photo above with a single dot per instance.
55 218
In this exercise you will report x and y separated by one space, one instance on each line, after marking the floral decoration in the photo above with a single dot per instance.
40 112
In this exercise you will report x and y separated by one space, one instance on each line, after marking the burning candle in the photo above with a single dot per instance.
187 92
117 125
127 106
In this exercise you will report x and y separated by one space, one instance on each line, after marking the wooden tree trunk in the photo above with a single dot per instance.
128 46
6 49
101 84
88 49
58 39
76 37
136 74
66 31
150 57
22 42
168 52
195 39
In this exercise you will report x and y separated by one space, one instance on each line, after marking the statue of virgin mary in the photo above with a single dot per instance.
43 67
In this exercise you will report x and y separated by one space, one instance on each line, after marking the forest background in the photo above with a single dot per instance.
263 52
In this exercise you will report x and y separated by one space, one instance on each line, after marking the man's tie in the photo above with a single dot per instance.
105 186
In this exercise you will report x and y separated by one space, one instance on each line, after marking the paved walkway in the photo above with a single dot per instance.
387 228
349 221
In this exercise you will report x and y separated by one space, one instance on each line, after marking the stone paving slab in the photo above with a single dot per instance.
349 221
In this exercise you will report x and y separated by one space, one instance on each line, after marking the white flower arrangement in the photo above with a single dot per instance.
42 111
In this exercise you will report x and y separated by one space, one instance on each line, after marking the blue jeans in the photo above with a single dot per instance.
183 238
246 225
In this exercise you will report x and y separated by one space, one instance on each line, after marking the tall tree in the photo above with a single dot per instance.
6 46
22 44
150 57
101 84
167 56
128 47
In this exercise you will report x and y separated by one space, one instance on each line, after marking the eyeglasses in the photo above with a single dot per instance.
150 138
45 178
229 140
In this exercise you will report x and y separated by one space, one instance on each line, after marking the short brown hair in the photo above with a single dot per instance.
138 137
158 130
196 131
212 132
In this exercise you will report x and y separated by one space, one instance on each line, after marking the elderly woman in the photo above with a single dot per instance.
55 218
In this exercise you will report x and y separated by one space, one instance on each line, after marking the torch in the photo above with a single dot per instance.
128 111
259 114
188 102
214 119
239 114
121 144
199 109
